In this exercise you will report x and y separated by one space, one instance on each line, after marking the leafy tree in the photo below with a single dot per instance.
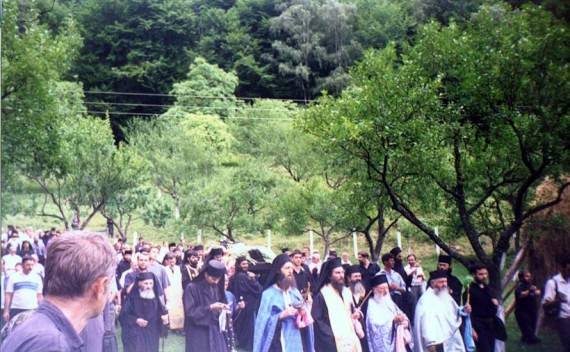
473 118
311 51
377 23
313 206
33 63
180 149
140 47
89 170
445 11
260 123
233 199
208 89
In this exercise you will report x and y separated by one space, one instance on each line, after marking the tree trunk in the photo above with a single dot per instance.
380 239
327 246
495 277
229 234
90 217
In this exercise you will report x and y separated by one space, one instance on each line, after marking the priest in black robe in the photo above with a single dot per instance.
454 285
204 301
245 288
143 316
334 312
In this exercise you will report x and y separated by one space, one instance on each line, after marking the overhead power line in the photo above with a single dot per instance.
188 96
123 113
182 106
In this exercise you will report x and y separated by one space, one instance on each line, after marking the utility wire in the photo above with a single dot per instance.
182 106
188 96
151 114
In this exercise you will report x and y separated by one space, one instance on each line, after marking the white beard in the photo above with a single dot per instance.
378 297
147 294
442 292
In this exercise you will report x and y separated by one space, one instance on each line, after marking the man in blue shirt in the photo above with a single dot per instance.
395 281
79 269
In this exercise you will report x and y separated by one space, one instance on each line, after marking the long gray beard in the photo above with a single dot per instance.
357 288
147 294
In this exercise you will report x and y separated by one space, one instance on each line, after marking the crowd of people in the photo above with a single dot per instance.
223 302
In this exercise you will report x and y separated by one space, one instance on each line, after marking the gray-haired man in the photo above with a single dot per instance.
79 269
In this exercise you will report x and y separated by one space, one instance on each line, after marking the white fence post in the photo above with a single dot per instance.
437 249
354 244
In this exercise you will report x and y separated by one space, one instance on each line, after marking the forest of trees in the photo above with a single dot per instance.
291 115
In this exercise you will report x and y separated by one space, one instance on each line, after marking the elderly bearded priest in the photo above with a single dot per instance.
438 318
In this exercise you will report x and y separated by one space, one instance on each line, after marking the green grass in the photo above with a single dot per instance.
550 340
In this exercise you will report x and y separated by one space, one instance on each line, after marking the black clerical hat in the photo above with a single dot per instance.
275 270
146 275
395 251
240 259
378 280
326 270
438 274
215 268
352 269
444 259
216 251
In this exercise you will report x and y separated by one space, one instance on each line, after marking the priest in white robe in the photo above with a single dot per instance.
387 327
438 318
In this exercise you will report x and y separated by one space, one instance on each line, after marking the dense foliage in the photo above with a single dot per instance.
192 115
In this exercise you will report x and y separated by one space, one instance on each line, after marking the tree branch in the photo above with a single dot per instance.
547 205
405 211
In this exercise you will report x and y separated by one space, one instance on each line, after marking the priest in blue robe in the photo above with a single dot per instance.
283 321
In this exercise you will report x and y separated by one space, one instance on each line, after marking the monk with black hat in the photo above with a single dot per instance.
454 285
143 315
333 312
358 294
204 302
245 288
438 318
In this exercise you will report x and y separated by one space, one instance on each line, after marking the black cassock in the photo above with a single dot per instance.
241 285
136 338
324 337
202 325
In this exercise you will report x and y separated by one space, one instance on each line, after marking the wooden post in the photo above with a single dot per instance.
269 239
